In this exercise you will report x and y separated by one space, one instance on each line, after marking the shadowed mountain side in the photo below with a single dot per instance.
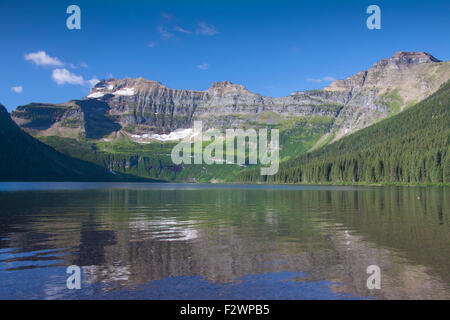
97 122
24 158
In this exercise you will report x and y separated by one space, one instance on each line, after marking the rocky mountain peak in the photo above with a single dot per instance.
401 70
137 83
227 86
123 87
413 57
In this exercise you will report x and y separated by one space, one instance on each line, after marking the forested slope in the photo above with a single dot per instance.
410 148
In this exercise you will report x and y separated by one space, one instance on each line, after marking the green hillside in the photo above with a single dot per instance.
23 158
409 148
153 160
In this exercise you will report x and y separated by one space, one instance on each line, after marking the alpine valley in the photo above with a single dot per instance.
129 126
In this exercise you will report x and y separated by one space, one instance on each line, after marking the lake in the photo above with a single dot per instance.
194 241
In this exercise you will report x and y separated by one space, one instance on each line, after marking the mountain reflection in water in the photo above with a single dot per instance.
167 241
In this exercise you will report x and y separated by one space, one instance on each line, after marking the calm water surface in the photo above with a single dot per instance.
183 241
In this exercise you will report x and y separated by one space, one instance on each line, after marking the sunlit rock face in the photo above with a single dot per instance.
389 86
144 106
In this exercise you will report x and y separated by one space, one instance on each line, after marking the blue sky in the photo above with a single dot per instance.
270 47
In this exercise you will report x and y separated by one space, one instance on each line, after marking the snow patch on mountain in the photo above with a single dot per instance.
172 136
124 92
96 95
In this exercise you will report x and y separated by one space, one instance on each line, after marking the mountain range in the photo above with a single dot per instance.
129 125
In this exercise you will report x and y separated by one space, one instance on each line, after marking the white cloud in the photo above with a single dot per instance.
206 29
203 66
324 79
92 82
17 89
152 44
41 58
182 30
62 76
164 33
84 65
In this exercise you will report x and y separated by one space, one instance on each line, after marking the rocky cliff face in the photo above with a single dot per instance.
151 105
135 107
389 86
